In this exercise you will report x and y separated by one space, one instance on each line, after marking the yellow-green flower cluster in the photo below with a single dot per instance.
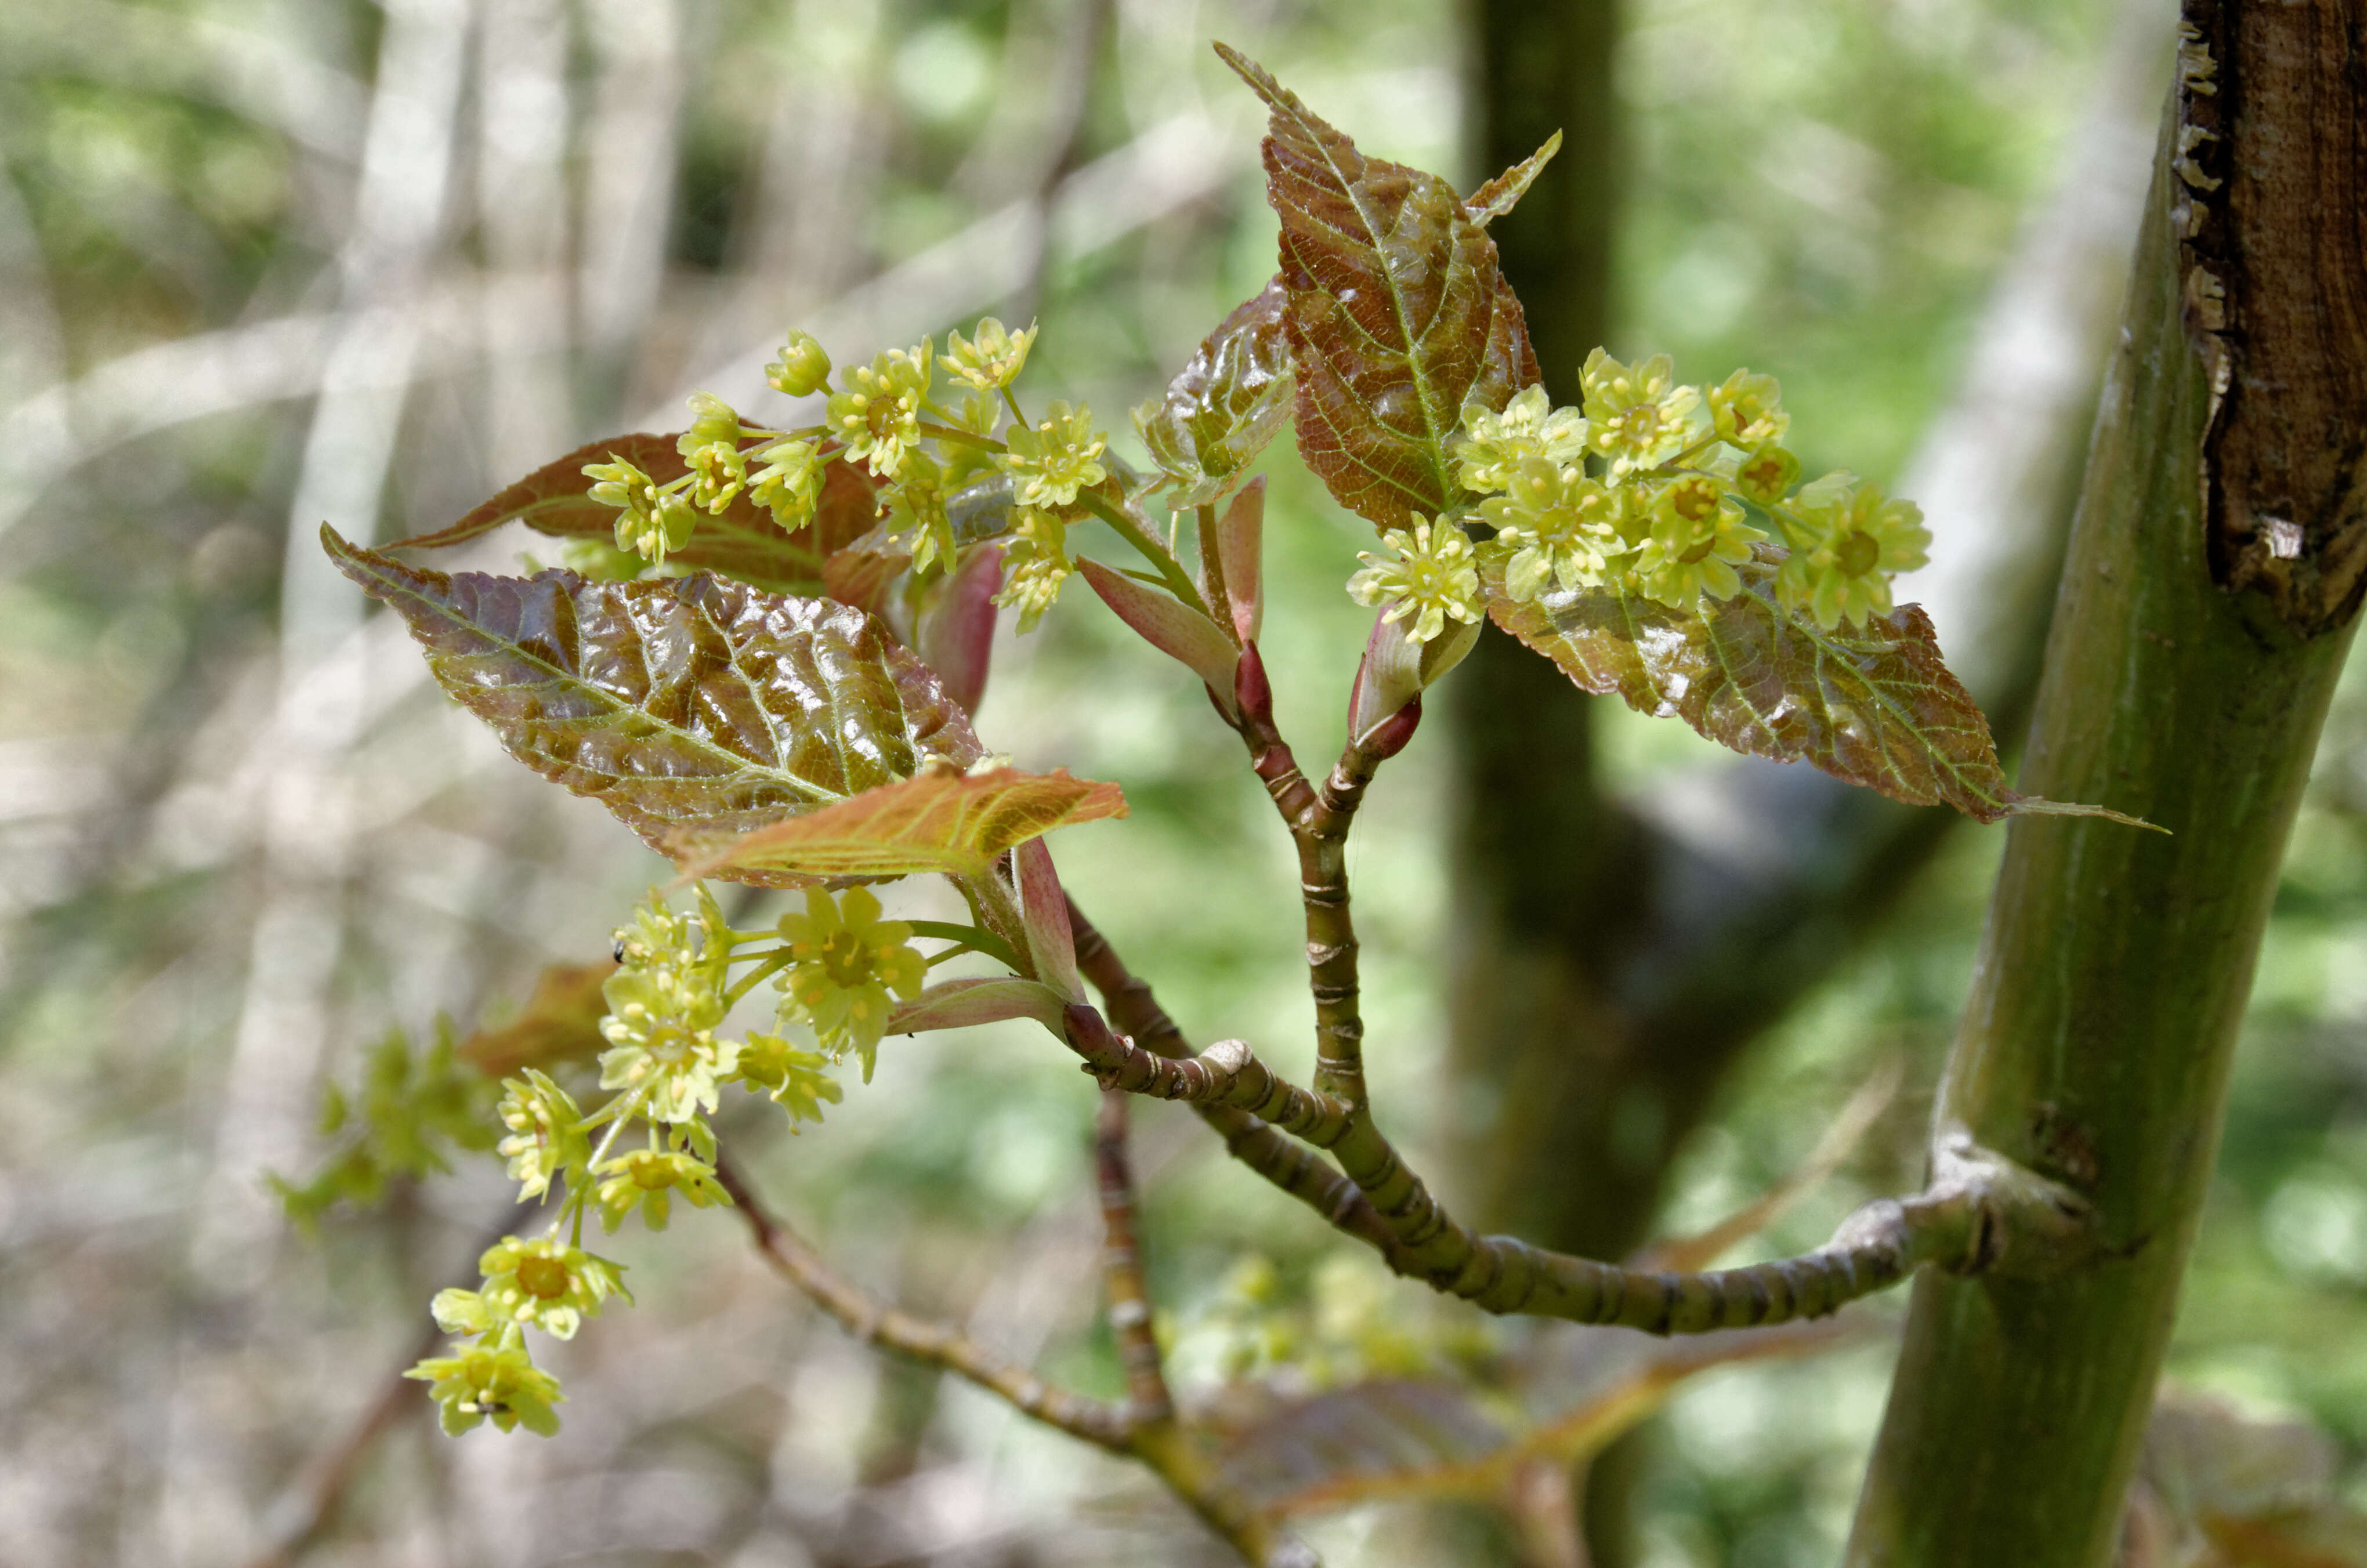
845 962
661 1034
916 511
1643 491
1435 578
546 1285
545 1132
712 447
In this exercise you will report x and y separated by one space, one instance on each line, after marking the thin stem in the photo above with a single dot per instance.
1170 570
874 1322
1227 1073
1148 1399
961 437
1288 1165
775 961
967 938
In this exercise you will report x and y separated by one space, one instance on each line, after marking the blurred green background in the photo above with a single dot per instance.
268 263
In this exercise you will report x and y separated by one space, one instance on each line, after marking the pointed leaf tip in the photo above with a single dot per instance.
1397 314
1499 195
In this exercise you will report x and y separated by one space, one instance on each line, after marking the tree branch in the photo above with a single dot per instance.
1129 1294
933 1344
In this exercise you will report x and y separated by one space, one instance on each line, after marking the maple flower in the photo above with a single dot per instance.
1747 411
711 447
993 359
660 1030
878 415
845 960
789 482
1495 445
1034 564
654 519
1846 542
1635 414
1435 576
499 1381
547 1283
647 1179
795 1077
917 502
1554 524
545 1134
802 369
1051 463
1698 537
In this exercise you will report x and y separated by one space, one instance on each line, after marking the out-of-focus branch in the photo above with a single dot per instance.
874 1322
1122 1272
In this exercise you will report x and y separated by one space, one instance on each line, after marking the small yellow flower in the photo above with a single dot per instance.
796 1078
1554 524
1765 476
661 1029
546 1283
845 961
647 1179
1435 575
711 447
801 367
916 506
654 520
789 482
1747 411
1495 446
545 1134
1846 542
1058 458
501 1382
879 416
993 359
1034 564
1698 538
1636 415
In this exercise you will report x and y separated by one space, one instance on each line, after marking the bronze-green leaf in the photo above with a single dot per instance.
1224 406
689 702
743 542
561 1022
1872 703
942 821
1397 314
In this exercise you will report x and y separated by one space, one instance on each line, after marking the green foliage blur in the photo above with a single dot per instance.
244 841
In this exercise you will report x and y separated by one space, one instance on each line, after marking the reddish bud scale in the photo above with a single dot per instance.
1393 734
1252 690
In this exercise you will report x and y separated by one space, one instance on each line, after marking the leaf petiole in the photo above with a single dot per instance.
1171 572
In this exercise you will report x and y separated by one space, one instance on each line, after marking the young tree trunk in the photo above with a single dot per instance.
2214 581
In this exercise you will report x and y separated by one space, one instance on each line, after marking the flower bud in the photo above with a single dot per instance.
802 367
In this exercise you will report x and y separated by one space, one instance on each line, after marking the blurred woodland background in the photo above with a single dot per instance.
269 263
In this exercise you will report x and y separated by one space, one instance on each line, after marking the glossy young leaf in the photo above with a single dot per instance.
956 631
561 1022
743 542
684 702
944 821
1225 405
1870 704
1397 314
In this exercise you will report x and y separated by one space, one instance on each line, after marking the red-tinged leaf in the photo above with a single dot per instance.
1871 705
958 1004
1499 195
956 637
1224 406
864 576
1237 545
1174 628
942 821
743 543
1397 314
561 1022
685 703
1043 913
